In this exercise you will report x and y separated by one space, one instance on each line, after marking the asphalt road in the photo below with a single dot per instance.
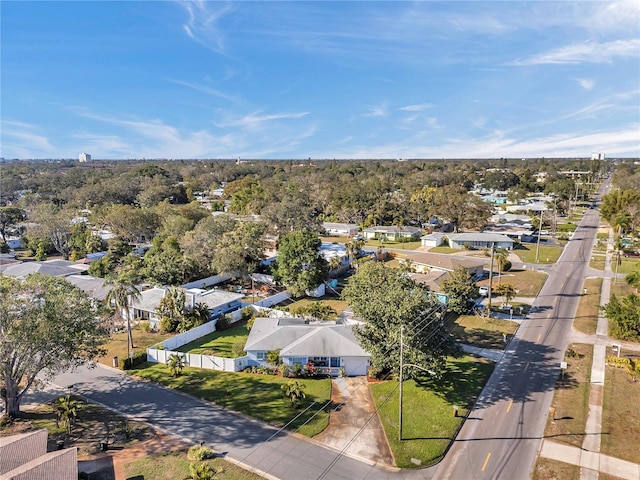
501 438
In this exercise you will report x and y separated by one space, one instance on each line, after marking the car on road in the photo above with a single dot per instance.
483 291
629 253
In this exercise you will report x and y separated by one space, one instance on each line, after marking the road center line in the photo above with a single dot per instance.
509 406
526 366
486 461
539 336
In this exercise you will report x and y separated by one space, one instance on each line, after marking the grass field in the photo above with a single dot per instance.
546 254
443 249
429 424
220 343
571 398
620 415
547 469
597 261
256 395
483 333
586 319
527 282
117 345
175 465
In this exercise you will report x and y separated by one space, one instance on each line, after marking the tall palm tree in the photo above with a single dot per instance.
335 263
122 294
501 256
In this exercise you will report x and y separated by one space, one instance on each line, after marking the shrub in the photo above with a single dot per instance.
283 370
223 322
145 327
247 313
168 325
297 369
506 266
137 359
199 452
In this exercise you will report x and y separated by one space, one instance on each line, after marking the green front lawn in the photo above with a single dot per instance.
429 425
444 249
218 342
526 282
256 395
586 320
546 254
483 333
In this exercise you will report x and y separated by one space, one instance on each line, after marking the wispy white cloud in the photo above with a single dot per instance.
23 140
377 111
257 120
586 52
202 25
586 83
208 90
416 108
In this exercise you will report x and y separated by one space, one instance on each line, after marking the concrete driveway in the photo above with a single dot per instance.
354 426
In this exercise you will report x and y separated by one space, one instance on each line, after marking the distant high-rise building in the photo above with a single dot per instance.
84 157
597 156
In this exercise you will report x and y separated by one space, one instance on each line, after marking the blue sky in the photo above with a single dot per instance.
210 79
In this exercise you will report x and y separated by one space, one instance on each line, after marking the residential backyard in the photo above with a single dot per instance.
117 344
219 343
429 423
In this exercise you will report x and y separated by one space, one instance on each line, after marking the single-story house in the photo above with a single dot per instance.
329 250
218 301
433 280
328 346
348 229
55 268
514 232
432 240
480 240
430 262
534 208
393 232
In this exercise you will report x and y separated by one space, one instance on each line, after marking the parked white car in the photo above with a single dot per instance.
484 291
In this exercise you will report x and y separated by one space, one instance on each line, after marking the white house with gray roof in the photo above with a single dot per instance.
393 232
328 346
218 301
480 240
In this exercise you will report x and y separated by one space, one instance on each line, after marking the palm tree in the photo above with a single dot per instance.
506 290
122 294
335 263
176 364
67 411
351 251
294 391
501 256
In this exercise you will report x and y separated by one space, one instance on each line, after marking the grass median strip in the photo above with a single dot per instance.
429 424
586 320
256 395
570 406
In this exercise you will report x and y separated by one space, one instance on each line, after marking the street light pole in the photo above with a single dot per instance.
400 399
493 251
538 243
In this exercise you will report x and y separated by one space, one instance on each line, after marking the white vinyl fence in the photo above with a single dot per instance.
162 354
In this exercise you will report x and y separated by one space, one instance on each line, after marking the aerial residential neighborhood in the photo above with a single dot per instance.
320 240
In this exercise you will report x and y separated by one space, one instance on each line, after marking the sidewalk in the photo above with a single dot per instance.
592 462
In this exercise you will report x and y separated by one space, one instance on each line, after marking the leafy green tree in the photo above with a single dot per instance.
633 279
166 264
460 208
625 316
506 290
318 311
385 299
176 364
9 217
241 250
299 264
294 391
66 411
47 325
461 288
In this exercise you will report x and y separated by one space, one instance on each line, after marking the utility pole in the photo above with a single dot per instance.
400 399
493 251
538 242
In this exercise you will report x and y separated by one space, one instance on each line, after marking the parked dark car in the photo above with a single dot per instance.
629 253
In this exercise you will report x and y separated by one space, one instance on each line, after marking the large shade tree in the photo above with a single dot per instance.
299 264
47 325
461 289
385 299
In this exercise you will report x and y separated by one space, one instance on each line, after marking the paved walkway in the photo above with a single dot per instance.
590 461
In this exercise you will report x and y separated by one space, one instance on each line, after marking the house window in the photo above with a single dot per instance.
335 361
319 361
298 361
261 356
